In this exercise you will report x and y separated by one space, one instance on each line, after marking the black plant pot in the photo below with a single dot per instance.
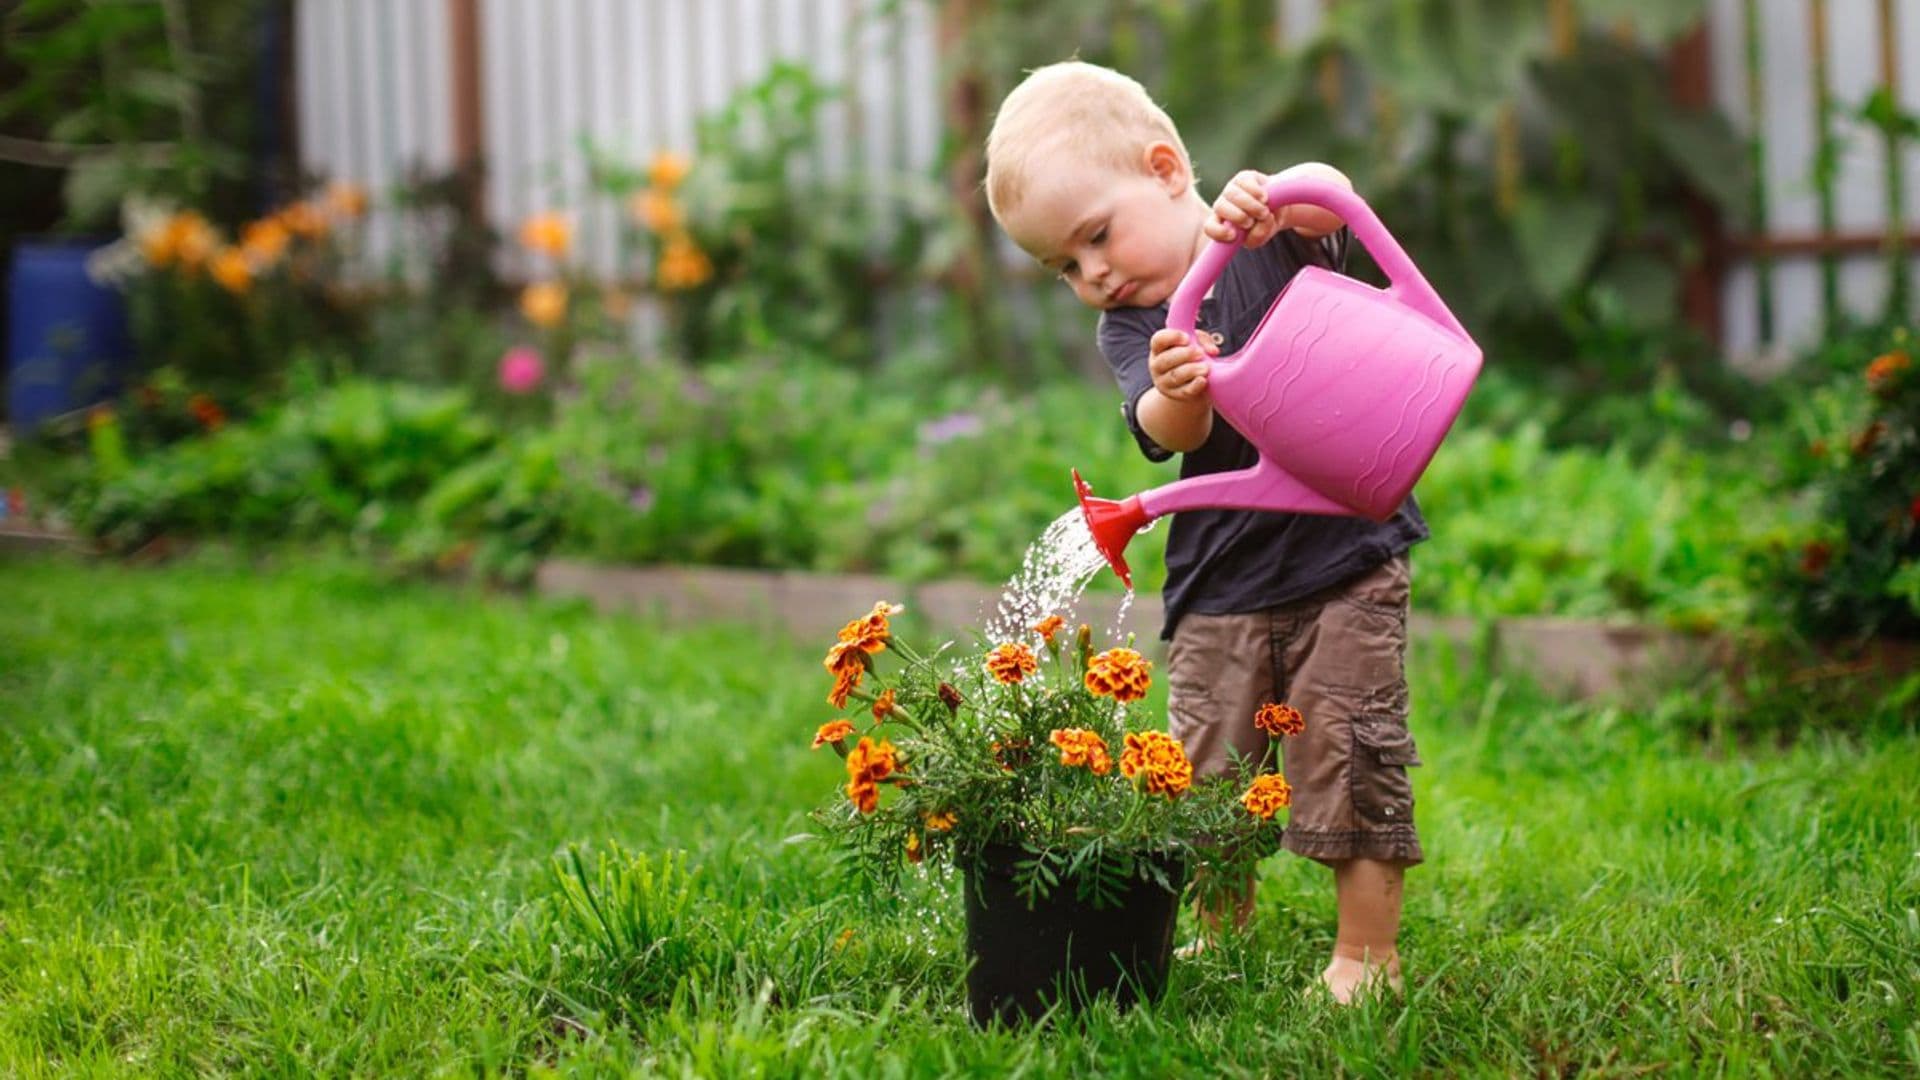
1023 960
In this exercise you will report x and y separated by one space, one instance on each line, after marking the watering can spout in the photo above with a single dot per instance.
1112 524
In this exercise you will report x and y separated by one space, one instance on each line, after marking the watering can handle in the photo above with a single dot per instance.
1405 280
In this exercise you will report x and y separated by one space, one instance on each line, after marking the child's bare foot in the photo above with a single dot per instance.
1348 979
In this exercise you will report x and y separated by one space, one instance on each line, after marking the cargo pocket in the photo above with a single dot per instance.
1382 750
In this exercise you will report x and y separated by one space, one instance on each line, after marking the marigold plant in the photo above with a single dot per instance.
996 745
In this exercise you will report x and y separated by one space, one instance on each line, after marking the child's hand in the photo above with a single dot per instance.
1243 206
1179 368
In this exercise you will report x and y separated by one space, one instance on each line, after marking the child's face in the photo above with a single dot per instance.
1120 239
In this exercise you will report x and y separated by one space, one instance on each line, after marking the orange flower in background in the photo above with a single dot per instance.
1157 761
1268 794
832 731
883 706
185 239
1815 557
868 764
1885 371
346 199
265 241
1120 674
207 411
940 821
1011 663
549 234
1048 627
1276 719
668 169
914 852
683 265
304 219
544 303
1078 746
656 211
231 270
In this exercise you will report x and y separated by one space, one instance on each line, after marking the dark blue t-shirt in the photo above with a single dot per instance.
1225 561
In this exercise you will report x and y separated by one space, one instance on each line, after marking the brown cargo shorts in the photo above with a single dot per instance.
1338 656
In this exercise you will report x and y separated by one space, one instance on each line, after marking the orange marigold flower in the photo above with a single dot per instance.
1011 663
1156 760
870 632
668 169
1048 627
346 199
303 219
265 241
1268 794
940 821
548 233
1885 371
1078 746
656 210
1120 674
1276 719
914 853
1012 753
950 697
868 764
544 303
845 682
832 731
683 265
883 706
231 270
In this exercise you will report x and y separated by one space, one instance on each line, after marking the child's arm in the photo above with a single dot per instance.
1178 412
1243 207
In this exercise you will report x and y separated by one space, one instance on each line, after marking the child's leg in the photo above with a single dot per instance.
1366 946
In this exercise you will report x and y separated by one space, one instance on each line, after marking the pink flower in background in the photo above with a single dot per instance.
521 370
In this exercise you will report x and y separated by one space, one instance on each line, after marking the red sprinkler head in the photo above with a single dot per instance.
1112 524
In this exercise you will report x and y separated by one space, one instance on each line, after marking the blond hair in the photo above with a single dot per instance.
1092 114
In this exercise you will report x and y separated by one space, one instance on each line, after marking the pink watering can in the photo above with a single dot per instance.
1345 390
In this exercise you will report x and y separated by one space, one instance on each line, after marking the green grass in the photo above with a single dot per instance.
294 819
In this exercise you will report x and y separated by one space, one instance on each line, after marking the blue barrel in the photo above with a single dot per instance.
67 340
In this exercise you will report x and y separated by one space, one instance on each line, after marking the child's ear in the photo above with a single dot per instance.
1168 167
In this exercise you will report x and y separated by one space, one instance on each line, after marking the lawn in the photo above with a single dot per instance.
296 818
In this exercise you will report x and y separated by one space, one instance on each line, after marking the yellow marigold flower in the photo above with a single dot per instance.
1120 674
346 199
883 706
1048 627
1885 370
656 211
544 303
668 170
1268 794
832 731
914 853
265 241
549 234
1078 746
1010 663
1156 760
304 219
940 821
683 265
230 269
1276 719
185 238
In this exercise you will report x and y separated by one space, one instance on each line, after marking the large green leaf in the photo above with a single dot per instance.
1557 237
1705 150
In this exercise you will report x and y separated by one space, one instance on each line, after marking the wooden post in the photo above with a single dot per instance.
1899 288
469 130
1690 82
965 105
